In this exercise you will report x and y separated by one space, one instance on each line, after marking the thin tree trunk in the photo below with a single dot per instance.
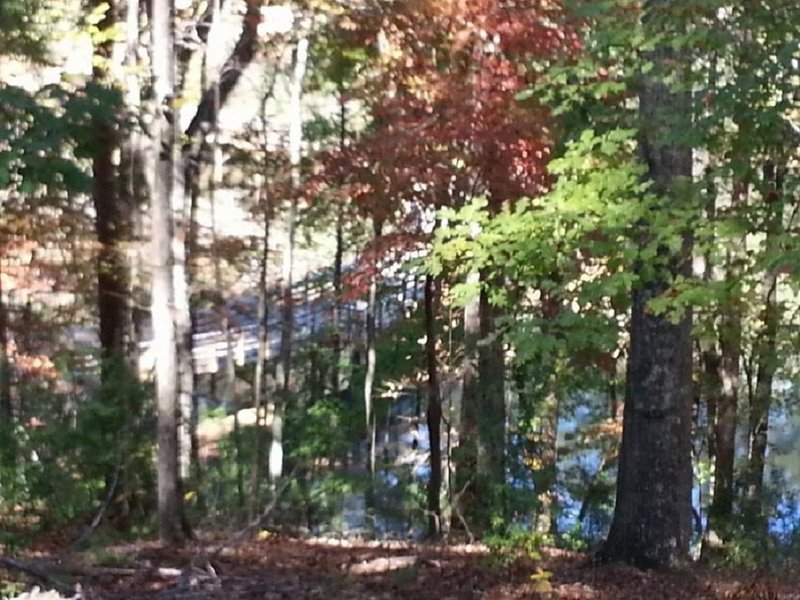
133 158
722 366
727 397
196 471
295 147
263 353
337 262
652 519
369 378
260 383
434 415
546 447
727 409
6 408
767 352
7 438
466 455
164 335
183 316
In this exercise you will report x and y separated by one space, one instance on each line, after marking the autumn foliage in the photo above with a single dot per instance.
446 122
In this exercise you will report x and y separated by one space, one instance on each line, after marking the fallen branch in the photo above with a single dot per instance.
48 571
35 570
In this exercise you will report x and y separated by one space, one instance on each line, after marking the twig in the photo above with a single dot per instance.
87 533
457 511
257 522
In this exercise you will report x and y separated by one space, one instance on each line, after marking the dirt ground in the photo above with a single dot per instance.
279 567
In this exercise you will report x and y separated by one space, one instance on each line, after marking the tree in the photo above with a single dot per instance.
652 516
299 65
164 154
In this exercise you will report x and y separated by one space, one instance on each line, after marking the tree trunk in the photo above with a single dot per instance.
721 380
295 147
111 220
263 353
652 519
492 419
7 438
727 400
164 334
182 253
113 231
767 351
260 375
480 470
466 455
545 447
434 415
337 261
369 378
132 156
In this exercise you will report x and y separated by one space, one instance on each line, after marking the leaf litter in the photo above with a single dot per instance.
279 567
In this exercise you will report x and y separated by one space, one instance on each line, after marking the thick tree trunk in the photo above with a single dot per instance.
653 514
111 221
164 334
480 467
113 230
434 416
492 419
727 408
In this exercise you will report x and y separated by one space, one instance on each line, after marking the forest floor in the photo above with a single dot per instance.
279 567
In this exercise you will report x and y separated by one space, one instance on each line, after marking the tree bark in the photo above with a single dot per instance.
480 469
466 455
727 409
337 262
295 147
7 438
767 351
369 378
259 377
492 419
111 219
5 366
434 415
260 398
652 519
164 332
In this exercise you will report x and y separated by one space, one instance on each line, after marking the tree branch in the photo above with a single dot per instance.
229 76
